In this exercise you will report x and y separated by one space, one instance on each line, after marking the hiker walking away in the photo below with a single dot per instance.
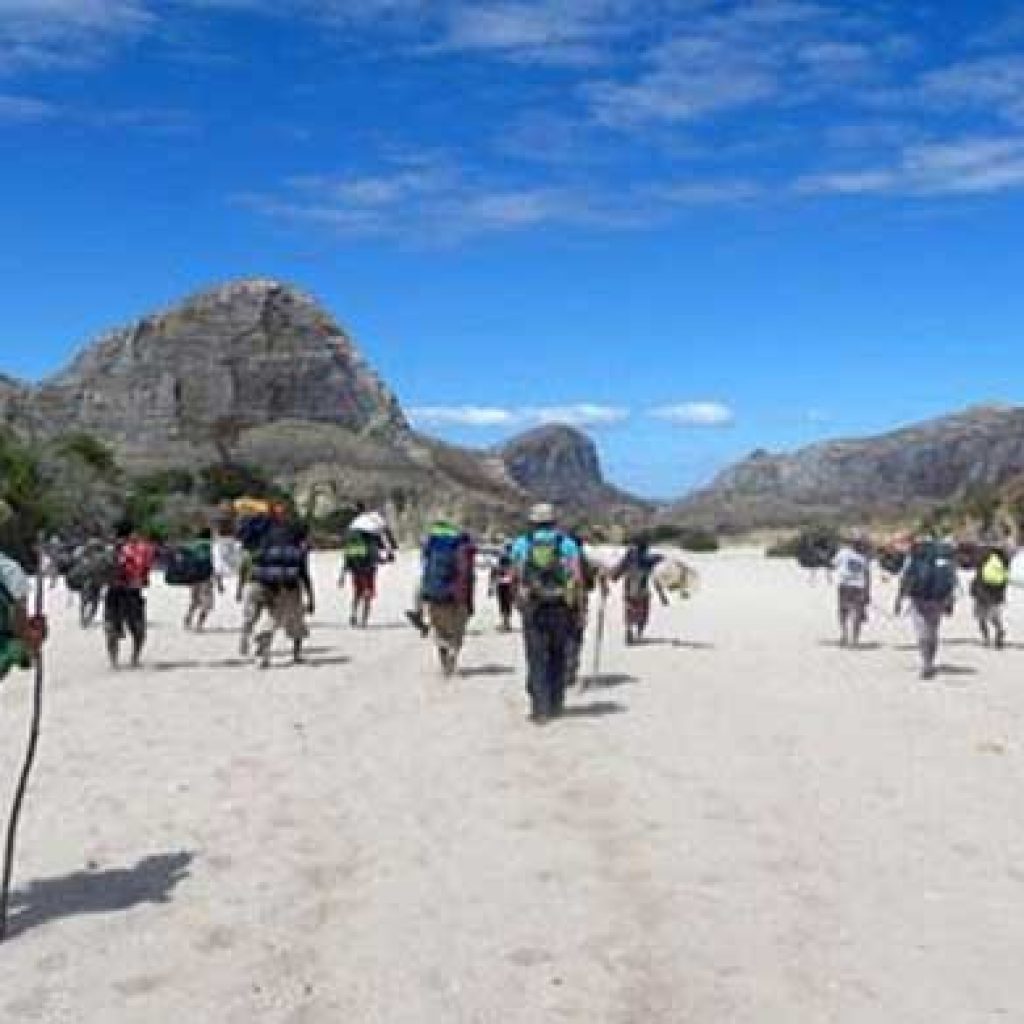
447 588
91 570
281 585
988 588
362 553
852 566
21 634
124 606
636 570
929 582
202 592
500 586
547 581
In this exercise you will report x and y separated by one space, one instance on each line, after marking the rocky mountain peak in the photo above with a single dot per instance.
558 461
235 357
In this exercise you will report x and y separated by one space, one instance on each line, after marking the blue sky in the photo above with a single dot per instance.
697 226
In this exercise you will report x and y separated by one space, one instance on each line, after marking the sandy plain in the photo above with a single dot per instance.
736 822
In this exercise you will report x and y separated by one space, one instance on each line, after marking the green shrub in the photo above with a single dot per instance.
697 539
823 540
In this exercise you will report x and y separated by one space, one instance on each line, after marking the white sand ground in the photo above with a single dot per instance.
741 824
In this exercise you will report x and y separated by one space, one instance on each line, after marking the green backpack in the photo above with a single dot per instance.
546 577
13 652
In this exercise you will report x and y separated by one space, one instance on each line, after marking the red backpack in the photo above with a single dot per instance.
134 561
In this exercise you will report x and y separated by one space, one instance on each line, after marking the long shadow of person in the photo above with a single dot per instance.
477 671
596 709
152 880
606 680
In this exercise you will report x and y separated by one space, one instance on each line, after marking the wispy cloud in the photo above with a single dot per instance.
46 33
695 414
582 414
431 200
25 109
971 165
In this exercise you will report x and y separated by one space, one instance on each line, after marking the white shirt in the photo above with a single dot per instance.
852 569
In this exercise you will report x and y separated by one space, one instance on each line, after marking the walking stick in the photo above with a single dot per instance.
598 642
30 756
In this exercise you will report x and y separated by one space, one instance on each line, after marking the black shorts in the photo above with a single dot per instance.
124 608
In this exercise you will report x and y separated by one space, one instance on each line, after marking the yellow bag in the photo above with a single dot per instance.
994 572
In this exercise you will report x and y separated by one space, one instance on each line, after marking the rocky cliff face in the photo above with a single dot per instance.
257 372
555 461
857 479
228 360
562 465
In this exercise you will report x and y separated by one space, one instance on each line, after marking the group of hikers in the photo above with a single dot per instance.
929 584
546 574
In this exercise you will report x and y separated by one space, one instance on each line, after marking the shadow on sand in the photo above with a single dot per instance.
596 709
152 880
862 646
484 671
689 645
956 671
174 666
326 662
606 681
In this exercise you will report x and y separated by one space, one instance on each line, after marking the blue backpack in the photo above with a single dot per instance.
441 566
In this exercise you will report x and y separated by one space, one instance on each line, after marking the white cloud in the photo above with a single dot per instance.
461 415
971 165
696 414
25 108
583 414
45 33
429 200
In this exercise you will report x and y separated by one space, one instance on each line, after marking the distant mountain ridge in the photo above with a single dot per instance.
257 371
851 480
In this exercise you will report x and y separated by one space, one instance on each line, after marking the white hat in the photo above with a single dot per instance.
542 514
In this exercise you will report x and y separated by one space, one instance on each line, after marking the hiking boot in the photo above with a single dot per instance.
416 620
929 673
1000 640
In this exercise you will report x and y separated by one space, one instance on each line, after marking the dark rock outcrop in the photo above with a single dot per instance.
561 464
848 480
200 374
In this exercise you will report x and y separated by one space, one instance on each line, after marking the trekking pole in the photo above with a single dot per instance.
598 642
30 756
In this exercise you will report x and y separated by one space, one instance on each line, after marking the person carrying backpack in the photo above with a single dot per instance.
361 557
500 586
21 634
988 588
124 606
547 582
447 588
929 582
853 568
636 570
281 585
206 582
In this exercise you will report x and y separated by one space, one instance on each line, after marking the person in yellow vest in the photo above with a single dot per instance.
989 592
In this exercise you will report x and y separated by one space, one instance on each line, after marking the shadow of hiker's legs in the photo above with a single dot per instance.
152 880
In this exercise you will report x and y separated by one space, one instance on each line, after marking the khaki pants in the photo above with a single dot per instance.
285 607
449 622
201 600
